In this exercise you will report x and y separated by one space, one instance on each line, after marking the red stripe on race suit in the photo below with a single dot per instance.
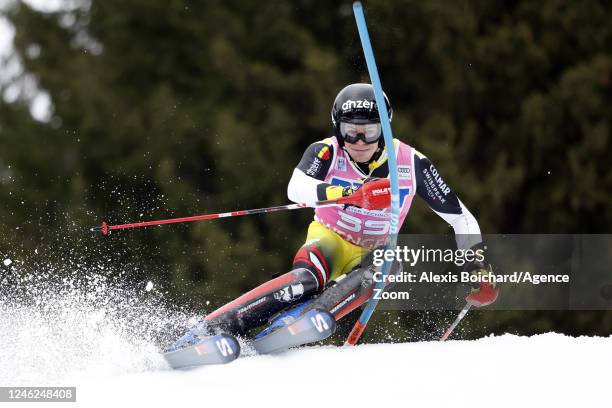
302 256
322 259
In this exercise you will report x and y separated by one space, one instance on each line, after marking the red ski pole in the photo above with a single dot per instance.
374 195
105 228
460 317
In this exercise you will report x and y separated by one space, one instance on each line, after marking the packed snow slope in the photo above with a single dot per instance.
548 370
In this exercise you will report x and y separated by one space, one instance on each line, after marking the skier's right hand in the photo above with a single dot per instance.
350 190
373 194
334 192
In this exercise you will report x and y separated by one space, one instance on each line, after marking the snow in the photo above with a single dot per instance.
508 371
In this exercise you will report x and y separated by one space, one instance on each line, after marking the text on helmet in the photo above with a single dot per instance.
363 104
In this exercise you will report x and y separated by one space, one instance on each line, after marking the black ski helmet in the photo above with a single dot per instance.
356 103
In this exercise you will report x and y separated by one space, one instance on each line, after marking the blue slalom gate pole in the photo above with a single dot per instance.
360 325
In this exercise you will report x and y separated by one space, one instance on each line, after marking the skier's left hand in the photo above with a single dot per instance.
483 293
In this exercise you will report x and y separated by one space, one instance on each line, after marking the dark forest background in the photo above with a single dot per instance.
164 108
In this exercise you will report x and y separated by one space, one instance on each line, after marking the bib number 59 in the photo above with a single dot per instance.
367 227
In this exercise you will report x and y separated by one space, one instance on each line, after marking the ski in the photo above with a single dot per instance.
314 325
219 349
192 351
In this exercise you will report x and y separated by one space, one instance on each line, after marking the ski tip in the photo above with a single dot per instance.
219 349
317 320
229 347
321 318
313 326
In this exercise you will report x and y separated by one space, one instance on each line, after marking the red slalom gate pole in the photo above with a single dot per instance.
374 195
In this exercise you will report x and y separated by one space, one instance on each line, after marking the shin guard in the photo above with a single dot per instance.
255 307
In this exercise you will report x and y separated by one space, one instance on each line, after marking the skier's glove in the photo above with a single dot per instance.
483 293
350 190
334 192
373 194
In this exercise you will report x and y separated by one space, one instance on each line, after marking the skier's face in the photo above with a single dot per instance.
360 151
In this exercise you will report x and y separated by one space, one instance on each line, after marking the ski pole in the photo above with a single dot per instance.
105 228
460 317
374 195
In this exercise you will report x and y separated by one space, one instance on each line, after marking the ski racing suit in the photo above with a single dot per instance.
332 269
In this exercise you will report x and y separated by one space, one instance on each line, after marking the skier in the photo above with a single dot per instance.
332 270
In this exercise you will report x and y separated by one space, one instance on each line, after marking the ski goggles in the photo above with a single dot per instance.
368 132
